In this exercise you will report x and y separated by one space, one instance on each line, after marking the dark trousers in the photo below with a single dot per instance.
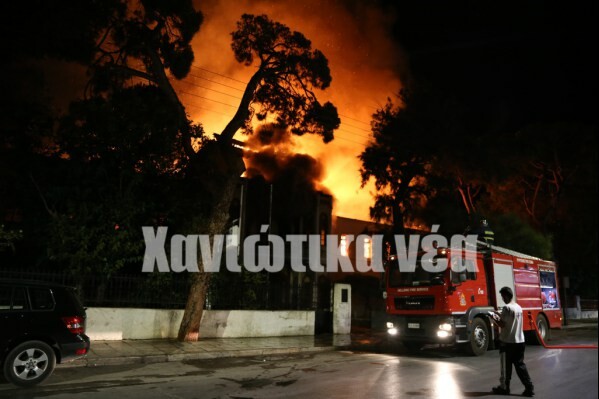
513 354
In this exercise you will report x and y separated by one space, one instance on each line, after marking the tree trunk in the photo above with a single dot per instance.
398 222
243 111
231 167
189 330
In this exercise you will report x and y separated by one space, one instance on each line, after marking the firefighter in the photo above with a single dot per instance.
483 231
511 349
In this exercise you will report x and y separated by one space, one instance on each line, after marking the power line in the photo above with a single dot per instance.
241 90
207 88
355 127
339 130
192 105
245 83
353 119
337 136
351 141
206 98
180 82
219 102
214 81
218 74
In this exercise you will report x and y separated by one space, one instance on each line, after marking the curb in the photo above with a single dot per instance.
580 327
165 358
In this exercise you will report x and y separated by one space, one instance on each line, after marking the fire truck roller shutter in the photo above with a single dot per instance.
504 277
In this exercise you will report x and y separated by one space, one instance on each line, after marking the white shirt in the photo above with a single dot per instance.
512 332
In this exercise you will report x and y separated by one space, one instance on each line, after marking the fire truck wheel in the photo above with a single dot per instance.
479 338
543 327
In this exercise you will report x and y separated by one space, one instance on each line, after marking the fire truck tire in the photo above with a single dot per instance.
479 338
543 327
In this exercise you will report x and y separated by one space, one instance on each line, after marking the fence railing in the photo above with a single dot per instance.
233 291
588 304
146 291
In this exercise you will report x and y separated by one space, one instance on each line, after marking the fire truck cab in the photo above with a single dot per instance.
452 308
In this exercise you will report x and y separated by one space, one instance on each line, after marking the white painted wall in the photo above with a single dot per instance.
126 323
578 313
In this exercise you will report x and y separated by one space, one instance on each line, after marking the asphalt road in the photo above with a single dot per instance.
431 373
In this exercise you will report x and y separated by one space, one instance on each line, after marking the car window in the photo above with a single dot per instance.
19 299
79 308
5 294
41 299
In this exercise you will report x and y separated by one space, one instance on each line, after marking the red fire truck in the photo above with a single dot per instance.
452 308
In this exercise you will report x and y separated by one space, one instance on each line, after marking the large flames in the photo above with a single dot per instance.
364 64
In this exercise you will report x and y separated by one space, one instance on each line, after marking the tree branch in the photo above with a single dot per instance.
50 212
134 72
161 79
243 111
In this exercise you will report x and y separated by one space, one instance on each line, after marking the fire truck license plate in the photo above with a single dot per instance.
413 325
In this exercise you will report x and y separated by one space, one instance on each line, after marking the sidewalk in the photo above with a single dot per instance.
580 323
105 353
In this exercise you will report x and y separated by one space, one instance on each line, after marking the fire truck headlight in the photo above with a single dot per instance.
445 327
392 331
390 325
443 334
384 294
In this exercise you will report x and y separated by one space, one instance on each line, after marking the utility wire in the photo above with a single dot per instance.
245 83
214 81
233 106
207 88
339 130
218 74
337 136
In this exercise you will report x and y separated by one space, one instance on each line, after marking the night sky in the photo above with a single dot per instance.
513 63
533 60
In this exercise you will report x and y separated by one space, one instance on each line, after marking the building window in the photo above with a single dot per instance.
323 229
368 248
343 245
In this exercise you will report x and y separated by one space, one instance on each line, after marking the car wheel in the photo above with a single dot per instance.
29 363
479 338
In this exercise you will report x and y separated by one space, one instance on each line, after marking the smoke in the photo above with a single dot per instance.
270 153
366 65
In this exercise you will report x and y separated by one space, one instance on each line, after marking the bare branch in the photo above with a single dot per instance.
39 191
134 72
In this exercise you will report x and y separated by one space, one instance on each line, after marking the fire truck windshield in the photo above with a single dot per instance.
419 277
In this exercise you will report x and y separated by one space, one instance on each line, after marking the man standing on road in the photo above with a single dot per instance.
512 345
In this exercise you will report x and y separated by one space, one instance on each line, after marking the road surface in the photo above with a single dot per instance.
431 373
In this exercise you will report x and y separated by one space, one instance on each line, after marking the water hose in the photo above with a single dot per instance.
542 341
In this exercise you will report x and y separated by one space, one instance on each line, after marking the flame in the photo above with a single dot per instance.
364 65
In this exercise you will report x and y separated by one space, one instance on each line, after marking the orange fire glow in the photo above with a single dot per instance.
364 64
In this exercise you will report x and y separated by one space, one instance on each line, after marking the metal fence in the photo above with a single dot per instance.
588 304
151 290
228 291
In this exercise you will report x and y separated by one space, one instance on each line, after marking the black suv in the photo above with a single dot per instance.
41 324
